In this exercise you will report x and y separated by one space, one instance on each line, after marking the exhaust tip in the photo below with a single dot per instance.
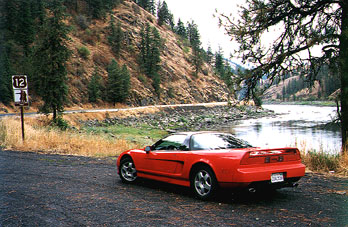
252 190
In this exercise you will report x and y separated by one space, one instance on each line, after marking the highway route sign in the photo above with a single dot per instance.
20 90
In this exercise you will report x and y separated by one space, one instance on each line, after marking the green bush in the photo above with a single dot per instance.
60 123
84 52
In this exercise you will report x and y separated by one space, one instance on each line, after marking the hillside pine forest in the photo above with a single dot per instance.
76 52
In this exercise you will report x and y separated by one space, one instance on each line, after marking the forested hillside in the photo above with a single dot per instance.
77 52
296 87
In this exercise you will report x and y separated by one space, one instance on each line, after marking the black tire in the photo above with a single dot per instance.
203 183
128 172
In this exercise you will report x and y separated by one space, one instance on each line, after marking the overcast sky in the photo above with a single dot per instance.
201 12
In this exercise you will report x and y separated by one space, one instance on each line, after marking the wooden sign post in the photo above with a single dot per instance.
21 97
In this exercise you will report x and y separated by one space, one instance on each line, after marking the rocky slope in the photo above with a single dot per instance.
178 84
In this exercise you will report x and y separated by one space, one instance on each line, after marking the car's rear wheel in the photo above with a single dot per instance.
203 182
128 172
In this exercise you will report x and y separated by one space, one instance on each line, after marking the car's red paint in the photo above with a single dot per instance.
239 167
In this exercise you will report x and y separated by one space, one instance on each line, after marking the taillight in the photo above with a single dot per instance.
258 153
270 156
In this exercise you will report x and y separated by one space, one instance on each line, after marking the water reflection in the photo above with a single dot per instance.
302 126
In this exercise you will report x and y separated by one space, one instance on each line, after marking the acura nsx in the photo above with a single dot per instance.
206 161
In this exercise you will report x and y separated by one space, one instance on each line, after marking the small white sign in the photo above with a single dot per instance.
21 97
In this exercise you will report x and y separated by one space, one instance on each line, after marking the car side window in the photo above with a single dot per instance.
173 142
216 141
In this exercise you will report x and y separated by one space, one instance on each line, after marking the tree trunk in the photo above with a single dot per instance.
54 113
344 76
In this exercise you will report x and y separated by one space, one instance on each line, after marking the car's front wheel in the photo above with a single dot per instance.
203 182
128 173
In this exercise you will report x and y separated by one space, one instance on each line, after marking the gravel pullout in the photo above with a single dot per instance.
54 190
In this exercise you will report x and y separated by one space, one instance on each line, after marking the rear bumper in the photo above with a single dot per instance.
261 174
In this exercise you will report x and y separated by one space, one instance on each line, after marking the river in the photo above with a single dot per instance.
297 125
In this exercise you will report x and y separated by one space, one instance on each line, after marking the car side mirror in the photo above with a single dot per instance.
148 149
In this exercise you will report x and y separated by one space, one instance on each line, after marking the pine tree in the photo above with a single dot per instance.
209 55
118 83
49 58
94 87
116 36
96 8
180 29
125 80
38 10
5 79
150 55
113 85
152 7
5 75
194 38
163 14
219 62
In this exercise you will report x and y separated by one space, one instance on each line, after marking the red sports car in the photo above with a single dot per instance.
205 161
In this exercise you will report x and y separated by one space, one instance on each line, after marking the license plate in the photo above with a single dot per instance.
277 177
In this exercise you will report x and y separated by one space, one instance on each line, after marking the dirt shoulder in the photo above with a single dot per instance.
55 190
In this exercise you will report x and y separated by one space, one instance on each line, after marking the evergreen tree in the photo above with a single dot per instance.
126 85
96 8
149 55
193 34
180 29
118 83
144 50
5 78
148 5
154 53
25 32
209 55
113 84
99 8
194 38
116 36
49 58
197 59
150 45
94 87
38 10
219 62
163 14
171 22
151 7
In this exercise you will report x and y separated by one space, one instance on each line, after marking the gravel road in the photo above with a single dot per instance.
54 190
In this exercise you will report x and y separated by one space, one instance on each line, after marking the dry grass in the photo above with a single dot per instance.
320 161
73 119
39 136
51 140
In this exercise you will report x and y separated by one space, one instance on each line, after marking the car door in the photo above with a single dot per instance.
166 156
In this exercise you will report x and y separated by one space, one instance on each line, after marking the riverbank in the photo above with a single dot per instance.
304 102
110 133
185 118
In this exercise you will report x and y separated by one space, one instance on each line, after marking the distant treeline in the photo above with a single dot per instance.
328 84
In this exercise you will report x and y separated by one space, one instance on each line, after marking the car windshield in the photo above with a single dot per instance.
173 142
214 141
